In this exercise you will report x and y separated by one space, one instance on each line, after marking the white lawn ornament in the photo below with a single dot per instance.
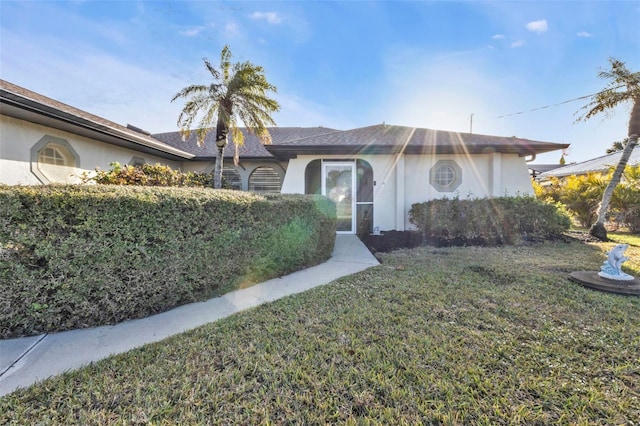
611 269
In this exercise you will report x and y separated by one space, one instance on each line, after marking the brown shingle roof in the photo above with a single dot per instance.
252 147
385 139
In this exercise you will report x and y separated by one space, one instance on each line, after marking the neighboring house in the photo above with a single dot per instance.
536 170
595 165
374 174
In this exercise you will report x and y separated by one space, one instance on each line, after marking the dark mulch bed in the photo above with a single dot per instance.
583 236
393 240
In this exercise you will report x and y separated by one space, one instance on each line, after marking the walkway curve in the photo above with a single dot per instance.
27 360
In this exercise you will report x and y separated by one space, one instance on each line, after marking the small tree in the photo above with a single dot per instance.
618 146
623 88
238 94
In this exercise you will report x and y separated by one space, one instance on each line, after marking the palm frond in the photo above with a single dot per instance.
212 70
623 87
193 90
225 63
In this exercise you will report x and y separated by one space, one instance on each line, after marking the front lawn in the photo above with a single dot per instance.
433 335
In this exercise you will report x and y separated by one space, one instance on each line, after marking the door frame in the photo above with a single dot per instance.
352 164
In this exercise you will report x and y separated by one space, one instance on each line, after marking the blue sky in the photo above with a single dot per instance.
339 64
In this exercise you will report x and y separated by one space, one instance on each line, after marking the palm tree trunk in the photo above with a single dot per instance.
217 169
597 229
222 130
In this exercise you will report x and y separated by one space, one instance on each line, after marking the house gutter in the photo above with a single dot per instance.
286 152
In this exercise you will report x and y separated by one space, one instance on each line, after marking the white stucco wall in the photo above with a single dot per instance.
403 180
491 175
18 137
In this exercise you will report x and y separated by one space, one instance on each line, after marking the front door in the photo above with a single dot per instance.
338 183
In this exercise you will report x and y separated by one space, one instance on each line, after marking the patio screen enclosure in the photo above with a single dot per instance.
339 180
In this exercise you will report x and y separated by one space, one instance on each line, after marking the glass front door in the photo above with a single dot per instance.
338 181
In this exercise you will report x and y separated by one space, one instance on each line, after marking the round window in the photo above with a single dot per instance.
445 176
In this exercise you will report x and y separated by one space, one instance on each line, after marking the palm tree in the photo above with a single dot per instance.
623 87
617 146
237 94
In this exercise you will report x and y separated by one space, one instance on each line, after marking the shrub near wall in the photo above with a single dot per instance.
149 175
81 256
502 220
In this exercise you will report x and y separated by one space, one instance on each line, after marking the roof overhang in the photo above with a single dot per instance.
286 152
22 108
230 158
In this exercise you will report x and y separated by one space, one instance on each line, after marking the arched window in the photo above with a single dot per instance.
313 177
54 154
264 179
231 178
54 160
137 162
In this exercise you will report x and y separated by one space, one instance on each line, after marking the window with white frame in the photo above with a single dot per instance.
53 154
445 176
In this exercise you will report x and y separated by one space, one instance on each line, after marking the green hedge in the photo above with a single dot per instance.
502 220
82 256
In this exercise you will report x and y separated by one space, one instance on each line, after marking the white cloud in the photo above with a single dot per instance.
271 17
584 34
498 36
518 43
231 29
191 32
538 26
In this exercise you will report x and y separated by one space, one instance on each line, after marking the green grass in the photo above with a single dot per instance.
442 336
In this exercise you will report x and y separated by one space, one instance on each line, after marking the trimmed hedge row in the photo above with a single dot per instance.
501 220
82 256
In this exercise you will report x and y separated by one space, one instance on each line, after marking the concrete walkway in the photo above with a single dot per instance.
25 361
